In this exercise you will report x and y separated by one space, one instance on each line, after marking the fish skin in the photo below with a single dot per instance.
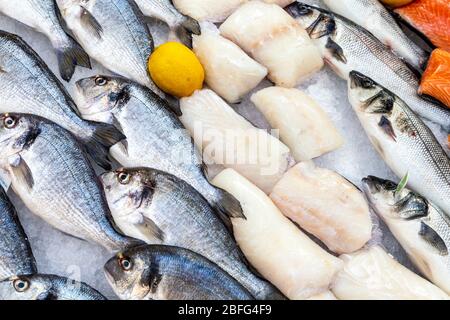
183 219
156 138
402 139
50 172
16 257
346 47
116 35
43 16
30 87
170 273
47 287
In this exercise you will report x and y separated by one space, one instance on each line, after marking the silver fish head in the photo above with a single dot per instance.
24 288
305 14
16 132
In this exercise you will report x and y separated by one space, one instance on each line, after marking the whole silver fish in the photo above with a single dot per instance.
420 227
374 17
43 16
159 208
169 273
346 47
46 287
181 27
28 86
155 136
50 172
114 33
405 143
16 257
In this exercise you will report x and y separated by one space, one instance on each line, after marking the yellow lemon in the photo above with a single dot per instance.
176 69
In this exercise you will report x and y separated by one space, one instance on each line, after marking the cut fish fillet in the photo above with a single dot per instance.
327 295
284 255
436 79
281 3
372 274
229 140
326 205
274 39
208 10
303 126
230 72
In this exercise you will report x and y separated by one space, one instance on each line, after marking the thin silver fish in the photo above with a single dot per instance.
155 136
49 171
405 143
46 287
159 208
16 257
28 86
346 46
169 273
43 16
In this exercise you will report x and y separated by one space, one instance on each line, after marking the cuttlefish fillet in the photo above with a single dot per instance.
326 205
303 125
274 39
230 72
208 10
372 274
229 140
280 252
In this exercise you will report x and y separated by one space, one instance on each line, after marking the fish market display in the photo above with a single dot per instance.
28 86
208 10
228 139
46 287
181 26
421 228
230 72
16 257
114 33
346 46
49 171
275 40
155 136
431 17
303 126
326 205
374 17
159 208
405 143
43 16
436 78
170 273
372 274
272 243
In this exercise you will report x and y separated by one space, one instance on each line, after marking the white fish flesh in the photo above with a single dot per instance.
208 10
327 295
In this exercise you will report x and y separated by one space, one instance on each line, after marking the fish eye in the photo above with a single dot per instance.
367 84
21 285
101 81
125 264
9 122
390 186
123 177
303 10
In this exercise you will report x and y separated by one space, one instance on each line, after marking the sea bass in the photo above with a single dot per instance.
114 33
16 257
50 172
28 86
422 228
43 16
170 273
159 208
405 143
346 47
155 136
46 287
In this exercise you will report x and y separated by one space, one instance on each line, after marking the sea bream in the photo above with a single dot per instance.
28 86
346 46
49 171
155 136
43 16
421 227
401 138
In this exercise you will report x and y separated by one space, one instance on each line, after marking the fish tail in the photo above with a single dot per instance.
185 31
69 56
228 205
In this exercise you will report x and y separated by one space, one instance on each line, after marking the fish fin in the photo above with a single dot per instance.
433 239
90 24
184 31
123 147
149 227
386 125
21 171
323 26
336 50
5 179
229 206
69 57
174 105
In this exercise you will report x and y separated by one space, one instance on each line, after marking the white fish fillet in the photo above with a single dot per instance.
283 254
230 72
326 205
274 39
230 140
208 10
281 3
303 125
327 295
372 274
